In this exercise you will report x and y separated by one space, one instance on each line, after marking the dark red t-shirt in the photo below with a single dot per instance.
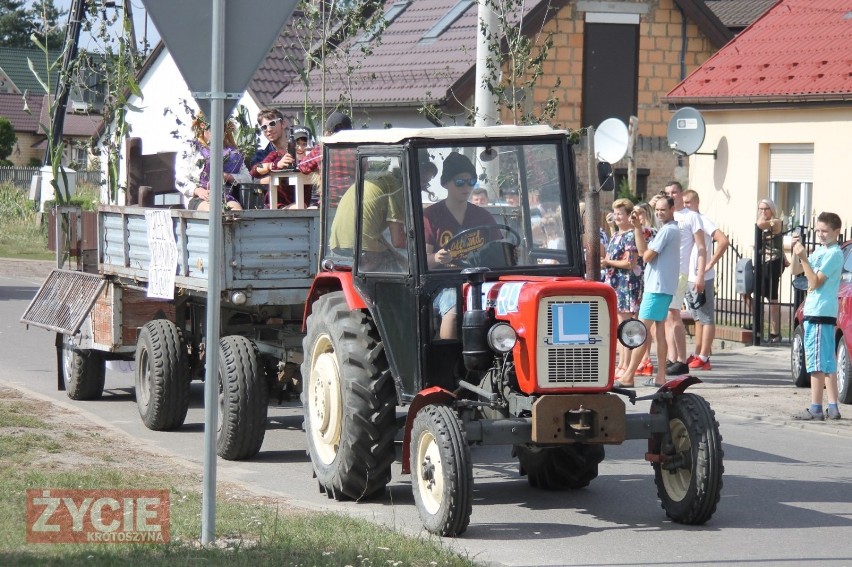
441 226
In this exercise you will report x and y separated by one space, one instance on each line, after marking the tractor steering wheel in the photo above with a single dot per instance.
461 259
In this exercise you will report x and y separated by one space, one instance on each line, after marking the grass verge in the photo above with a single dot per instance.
43 446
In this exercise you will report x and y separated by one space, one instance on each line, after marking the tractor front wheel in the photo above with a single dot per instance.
441 471
689 476
560 468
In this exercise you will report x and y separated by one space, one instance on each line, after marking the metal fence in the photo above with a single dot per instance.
770 319
21 177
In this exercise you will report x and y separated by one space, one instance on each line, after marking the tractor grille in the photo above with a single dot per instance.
573 352
63 301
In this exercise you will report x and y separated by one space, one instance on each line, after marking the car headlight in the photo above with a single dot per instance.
632 333
502 338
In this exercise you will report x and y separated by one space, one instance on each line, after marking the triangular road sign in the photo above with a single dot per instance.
250 28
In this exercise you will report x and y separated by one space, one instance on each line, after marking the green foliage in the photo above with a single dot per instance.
17 23
7 138
114 61
21 235
624 192
246 134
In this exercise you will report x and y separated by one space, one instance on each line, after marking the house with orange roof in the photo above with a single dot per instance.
777 107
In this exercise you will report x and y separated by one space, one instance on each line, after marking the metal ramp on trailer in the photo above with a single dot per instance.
63 301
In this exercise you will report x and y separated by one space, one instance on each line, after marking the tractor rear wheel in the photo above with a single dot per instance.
83 371
690 481
441 471
560 468
162 376
243 399
349 400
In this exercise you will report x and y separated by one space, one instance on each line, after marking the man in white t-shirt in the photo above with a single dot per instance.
691 236
704 315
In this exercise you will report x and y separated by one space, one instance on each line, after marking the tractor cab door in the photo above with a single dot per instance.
369 228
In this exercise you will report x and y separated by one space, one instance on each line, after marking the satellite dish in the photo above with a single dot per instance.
686 131
611 140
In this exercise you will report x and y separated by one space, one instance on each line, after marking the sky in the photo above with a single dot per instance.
139 18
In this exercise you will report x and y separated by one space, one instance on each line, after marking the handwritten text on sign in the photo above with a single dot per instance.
161 242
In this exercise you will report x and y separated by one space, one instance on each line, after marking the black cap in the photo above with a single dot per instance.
337 122
301 132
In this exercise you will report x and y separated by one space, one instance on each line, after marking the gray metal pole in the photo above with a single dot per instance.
211 375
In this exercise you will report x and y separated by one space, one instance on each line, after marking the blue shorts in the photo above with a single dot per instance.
654 306
819 347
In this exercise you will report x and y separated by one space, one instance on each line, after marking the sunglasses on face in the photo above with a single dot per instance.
270 124
461 182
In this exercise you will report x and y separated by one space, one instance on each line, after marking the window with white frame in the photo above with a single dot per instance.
791 169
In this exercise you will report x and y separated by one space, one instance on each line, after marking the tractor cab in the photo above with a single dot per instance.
426 206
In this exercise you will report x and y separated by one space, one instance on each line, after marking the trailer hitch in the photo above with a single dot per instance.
579 423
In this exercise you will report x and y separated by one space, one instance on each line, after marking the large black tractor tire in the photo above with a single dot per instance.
566 467
83 371
349 400
689 487
243 399
844 373
162 376
441 471
801 376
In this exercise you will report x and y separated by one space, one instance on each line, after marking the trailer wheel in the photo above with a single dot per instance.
162 376
441 471
560 468
801 376
243 399
690 483
349 400
844 373
83 371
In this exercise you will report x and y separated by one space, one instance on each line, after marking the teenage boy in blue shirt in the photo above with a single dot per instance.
822 269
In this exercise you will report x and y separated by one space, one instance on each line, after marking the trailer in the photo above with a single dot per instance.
147 302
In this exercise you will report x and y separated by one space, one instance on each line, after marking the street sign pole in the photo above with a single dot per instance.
216 73
211 374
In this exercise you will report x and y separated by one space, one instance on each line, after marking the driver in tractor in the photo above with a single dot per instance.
383 213
455 230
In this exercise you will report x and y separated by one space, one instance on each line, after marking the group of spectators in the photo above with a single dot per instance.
287 148
654 264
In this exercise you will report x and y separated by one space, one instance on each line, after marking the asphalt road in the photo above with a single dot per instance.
787 496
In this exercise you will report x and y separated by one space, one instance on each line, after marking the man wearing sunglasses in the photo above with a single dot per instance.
447 218
273 126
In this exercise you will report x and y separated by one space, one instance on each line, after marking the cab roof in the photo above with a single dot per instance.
450 133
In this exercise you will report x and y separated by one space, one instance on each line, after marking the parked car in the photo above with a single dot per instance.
843 336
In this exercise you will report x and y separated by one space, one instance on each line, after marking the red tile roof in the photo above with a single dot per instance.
800 50
404 69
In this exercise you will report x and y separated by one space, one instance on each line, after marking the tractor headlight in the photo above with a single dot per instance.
632 333
239 297
502 338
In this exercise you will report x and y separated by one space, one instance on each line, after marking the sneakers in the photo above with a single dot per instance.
677 369
698 364
645 368
831 413
692 358
806 415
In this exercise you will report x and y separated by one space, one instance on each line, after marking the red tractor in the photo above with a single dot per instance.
476 322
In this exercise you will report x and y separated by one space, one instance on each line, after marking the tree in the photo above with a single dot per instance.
17 23
7 140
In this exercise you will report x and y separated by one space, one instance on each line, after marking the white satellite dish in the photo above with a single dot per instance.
611 140
686 131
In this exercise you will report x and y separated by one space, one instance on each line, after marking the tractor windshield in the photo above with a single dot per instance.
498 205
